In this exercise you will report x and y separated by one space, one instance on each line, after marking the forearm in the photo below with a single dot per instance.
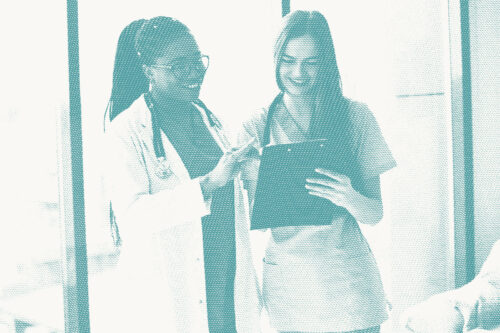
208 186
365 210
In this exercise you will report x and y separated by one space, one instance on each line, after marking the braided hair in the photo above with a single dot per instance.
140 43
155 34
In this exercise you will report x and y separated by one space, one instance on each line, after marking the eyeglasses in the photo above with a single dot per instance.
181 68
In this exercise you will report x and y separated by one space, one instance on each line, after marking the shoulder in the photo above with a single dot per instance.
133 120
256 119
253 126
362 121
368 142
360 114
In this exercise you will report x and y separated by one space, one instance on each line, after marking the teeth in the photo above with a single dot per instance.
298 81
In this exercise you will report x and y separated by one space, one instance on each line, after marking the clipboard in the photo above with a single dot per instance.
281 198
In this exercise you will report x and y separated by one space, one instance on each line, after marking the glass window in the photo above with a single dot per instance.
34 92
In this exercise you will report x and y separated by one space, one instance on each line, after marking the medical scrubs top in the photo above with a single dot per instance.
324 278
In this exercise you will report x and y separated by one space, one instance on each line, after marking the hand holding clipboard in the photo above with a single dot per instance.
281 197
332 186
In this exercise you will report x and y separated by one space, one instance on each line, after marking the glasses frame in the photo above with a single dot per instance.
171 66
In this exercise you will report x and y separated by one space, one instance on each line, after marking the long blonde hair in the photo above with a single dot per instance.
331 110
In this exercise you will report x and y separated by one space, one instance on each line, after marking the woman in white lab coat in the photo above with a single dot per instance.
185 262
322 278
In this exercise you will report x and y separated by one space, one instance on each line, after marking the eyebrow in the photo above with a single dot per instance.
194 55
310 58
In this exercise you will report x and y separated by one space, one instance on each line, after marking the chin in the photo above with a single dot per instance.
299 92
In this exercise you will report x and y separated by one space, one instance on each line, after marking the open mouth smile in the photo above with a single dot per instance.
192 86
299 82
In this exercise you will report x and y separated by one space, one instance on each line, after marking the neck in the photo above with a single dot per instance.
166 103
300 107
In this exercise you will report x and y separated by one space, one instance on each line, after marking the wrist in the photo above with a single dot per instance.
205 187
208 186
365 210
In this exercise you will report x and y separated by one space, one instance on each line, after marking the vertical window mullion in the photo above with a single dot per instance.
461 106
285 7
74 246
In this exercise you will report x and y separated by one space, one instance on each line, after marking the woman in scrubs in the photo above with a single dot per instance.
321 278
185 261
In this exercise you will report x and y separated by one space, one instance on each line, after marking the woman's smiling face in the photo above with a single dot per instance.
299 66
182 53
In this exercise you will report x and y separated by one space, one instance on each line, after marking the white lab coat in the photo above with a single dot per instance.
161 268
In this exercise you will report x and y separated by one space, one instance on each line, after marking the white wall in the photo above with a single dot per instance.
421 196
391 52
485 66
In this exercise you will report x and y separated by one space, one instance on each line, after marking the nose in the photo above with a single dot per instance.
195 74
298 69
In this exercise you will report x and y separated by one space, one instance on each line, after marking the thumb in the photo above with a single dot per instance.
243 150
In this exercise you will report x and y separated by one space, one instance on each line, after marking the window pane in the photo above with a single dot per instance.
34 73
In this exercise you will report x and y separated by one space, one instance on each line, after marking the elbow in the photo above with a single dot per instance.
375 215
378 213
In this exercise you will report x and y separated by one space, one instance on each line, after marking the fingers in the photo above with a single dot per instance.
328 184
242 153
320 195
324 182
326 193
246 147
322 189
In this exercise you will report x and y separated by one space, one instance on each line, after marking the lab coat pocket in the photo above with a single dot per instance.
273 283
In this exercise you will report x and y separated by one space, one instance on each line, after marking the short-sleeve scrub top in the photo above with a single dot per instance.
324 278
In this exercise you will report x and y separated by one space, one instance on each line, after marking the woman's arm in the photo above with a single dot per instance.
138 211
252 129
338 189
249 174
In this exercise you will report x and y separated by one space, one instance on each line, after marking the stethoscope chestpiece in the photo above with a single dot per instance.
163 170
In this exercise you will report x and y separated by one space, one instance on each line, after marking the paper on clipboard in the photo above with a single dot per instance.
281 198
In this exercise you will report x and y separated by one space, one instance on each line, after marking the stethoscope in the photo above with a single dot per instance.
163 169
266 140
